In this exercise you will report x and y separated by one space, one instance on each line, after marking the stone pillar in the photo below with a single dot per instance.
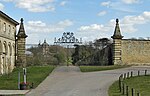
117 37
0 63
117 51
21 41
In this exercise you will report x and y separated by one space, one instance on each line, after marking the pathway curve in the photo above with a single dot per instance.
69 81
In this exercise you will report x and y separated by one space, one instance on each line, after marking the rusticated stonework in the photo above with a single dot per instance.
21 40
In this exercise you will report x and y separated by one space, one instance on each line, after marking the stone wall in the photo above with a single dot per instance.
135 51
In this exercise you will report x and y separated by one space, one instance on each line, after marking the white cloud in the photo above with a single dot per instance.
38 30
129 22
107 3
93 27
128 28
146 15
133 20
36 23
130 1
34 5
41 27
127 25
65 23
93 31
63 3
7 0
116 5
32 38
102 13
1 6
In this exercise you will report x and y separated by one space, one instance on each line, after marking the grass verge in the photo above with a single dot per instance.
35 75
100 68
140 83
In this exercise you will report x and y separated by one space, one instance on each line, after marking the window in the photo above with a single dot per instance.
9 29
0 25
4 27
13 31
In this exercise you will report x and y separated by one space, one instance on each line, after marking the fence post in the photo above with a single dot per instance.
127 90
145 72
132 90
19 80
138 73
124 75
128 75
121 75
120 83
131 74
138 94
123 85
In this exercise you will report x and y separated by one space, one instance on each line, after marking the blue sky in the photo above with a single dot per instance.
89 19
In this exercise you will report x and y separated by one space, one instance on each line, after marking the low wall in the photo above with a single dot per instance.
135 52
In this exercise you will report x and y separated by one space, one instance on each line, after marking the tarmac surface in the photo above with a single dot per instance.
69 81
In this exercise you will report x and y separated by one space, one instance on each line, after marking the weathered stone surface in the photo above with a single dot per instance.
21 40
116 51
135 51
7 43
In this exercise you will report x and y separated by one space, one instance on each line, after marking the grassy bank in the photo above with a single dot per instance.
100 68
140 83
35 75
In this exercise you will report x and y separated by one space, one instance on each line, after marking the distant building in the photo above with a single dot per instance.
45 48
29 53
8 45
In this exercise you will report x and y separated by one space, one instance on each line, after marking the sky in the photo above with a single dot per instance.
87 19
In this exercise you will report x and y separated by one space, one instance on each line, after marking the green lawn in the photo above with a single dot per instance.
35 75
100 68
141 84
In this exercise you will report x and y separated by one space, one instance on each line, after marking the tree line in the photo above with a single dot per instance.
59 55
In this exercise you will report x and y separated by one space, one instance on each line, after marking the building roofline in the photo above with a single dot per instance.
9 18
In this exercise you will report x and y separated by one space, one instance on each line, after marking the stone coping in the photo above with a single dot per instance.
13 92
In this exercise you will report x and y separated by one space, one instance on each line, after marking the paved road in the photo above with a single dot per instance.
69 81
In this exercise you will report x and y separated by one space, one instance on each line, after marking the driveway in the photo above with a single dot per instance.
69 81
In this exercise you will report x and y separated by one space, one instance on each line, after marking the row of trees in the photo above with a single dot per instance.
58 55
89 54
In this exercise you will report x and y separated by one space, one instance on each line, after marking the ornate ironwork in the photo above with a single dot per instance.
68 37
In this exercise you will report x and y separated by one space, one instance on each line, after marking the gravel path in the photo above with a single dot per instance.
69 81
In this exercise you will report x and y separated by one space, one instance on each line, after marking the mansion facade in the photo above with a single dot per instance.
9 43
